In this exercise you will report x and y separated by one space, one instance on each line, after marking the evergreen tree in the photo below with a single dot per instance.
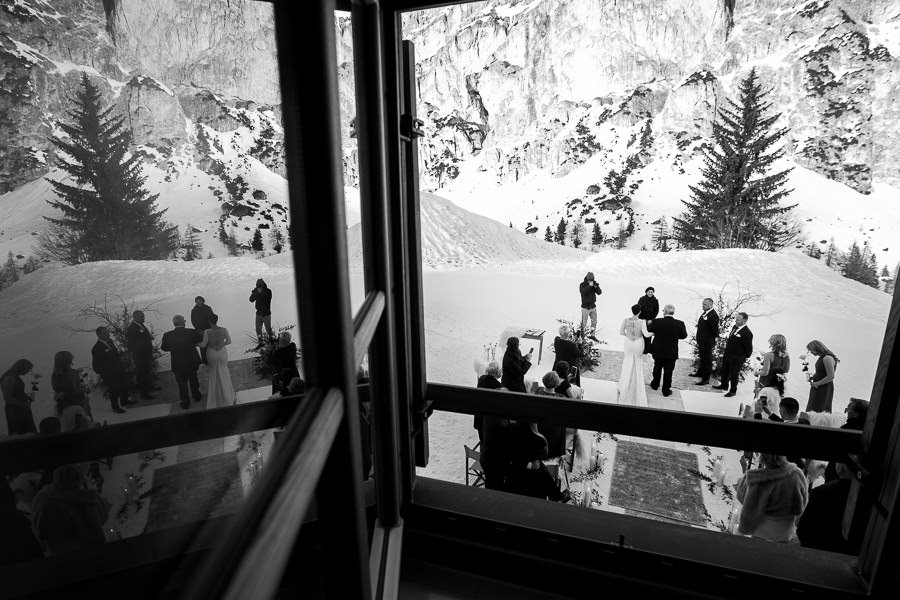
858 266
885 276
276 239
193 248
257 244
12 272
660 238
223 236
891 283
231 243
576 234
106 213
621 236
561 231
813 250
736 203
830 254
548 235
596 235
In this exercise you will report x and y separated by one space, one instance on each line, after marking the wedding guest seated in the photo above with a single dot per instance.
284 358
857 411
66 516
511 455
773 497
821 525
566 387
568 351
555 434
788 412
490 381
19 543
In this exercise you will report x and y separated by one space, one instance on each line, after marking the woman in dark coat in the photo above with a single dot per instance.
66 382
821 382
515 366
19 419
649 310
568 351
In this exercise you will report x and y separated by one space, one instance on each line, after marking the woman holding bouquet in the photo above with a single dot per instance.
821 382
19 419
776 363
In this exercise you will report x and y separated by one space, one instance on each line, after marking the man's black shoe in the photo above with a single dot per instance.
729 394
654 387
116 409
667 392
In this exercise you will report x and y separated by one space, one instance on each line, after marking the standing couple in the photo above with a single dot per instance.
667 331
182 344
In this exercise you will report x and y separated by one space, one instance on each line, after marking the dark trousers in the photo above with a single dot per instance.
143 373
647 344
183 380
704 353
665 366
117 385
731 369
202 350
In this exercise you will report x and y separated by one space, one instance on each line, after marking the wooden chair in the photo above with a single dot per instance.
473 466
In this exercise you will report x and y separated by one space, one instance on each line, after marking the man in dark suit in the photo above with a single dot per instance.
181 343
200 315
140 343
738 349
667 332
108 364
707 332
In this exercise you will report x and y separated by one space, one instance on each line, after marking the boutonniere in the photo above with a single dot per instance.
737 335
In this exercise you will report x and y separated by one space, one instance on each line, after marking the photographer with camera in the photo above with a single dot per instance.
589 290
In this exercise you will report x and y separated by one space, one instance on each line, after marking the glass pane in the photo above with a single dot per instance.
191 202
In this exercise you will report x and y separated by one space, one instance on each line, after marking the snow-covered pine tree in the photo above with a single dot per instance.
12 272
257 243
857 266
736 204
596 235
561 231
548 235
231 243
276 239
884 277
831 253
193 248
891 283
223 236
577 228
106 212
660 237
621 236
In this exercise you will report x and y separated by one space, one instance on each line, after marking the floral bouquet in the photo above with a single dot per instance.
35 379
805 369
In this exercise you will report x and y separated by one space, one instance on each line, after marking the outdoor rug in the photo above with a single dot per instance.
653 481
193 491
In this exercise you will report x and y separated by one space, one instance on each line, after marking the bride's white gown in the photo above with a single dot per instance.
631 390
221 391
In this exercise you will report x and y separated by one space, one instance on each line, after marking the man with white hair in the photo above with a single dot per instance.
490 381
568 351
181 343
668 331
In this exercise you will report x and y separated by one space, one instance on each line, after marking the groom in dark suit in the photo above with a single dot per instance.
181 343
707 332
667 332
738 349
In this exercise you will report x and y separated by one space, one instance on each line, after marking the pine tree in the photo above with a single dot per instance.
12 272
223 236
858 265
231 243
548 235
276 239
576 234
830 254
621 236
106 213
660 238
891 283
193 248
736 203
257 244
596 235
885 276
561 232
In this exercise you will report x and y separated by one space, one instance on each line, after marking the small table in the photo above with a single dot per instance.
536 334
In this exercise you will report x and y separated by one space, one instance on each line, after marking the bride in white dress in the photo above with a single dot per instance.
631 390
215 339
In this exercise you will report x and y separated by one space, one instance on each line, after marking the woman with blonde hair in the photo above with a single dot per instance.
772 499
821 382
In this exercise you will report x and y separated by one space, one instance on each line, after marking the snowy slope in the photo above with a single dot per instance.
453 237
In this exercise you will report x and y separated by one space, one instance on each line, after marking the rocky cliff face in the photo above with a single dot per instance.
525 86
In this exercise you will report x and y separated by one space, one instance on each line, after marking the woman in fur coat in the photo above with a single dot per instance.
773 498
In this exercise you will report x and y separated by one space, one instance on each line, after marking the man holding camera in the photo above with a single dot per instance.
589 291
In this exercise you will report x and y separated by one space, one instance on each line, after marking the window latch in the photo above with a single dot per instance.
410 127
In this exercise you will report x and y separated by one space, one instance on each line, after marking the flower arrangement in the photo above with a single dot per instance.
587 345
35 379
805 369
490 352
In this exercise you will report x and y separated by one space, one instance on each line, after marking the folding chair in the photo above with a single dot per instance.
473 466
